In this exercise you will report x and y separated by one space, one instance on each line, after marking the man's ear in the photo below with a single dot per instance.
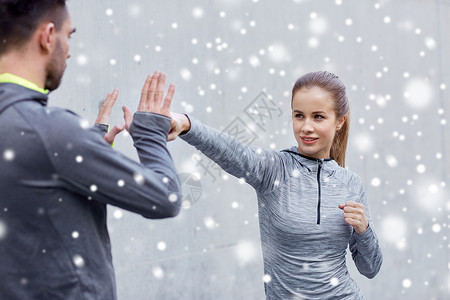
47 37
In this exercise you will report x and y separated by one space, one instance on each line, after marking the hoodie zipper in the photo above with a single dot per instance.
319 190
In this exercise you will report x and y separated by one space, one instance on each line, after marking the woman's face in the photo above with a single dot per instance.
314 121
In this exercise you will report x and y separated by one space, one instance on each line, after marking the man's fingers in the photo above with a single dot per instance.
127 116
111 135
144 93
151 93
106 108
159 93
168 100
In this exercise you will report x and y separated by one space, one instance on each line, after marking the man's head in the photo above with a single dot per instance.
42 26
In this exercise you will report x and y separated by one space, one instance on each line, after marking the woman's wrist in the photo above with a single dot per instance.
186 124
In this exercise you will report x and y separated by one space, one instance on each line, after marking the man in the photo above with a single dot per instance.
56 175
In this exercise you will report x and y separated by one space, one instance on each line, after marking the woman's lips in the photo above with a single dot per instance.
309 140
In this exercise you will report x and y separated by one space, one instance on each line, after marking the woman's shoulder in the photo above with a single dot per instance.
349 178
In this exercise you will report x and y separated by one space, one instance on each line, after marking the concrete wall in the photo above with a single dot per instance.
223 56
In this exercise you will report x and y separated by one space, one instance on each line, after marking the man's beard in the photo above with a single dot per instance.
55 68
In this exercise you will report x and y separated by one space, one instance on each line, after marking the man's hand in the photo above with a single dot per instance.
152 100
152 96
355 215
104 114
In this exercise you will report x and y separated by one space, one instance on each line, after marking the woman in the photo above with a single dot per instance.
310 207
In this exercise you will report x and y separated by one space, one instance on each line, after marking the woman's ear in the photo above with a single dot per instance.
341 121
47 37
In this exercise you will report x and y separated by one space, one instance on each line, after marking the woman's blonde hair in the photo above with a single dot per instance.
334 86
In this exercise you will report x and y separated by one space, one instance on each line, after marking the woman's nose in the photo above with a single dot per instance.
307 127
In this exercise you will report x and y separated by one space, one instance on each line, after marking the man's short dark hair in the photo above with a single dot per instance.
19 19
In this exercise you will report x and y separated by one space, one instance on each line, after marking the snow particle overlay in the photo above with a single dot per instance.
198 12
421 169
75 235
406 283
139 178
3 230
109 12
158 272
278 53
93 188
209 223
234 205
8 155
79 159
82 60
436 228
430 43
118 214
186 74
391 161
173 197
161 246
363 142
254 61
85 124
334 281
112 62
121 183
267 278
78 261
418 94
245 252
375 182
137 58
134 10
313 42
317 25
393 229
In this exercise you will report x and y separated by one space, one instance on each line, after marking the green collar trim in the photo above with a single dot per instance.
10 78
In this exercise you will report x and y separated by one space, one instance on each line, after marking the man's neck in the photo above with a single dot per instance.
18 63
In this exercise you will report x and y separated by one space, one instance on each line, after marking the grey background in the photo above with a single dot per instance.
399 145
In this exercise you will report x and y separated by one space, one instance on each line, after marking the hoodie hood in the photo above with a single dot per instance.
311 163
11 93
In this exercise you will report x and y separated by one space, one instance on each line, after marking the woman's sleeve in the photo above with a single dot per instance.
261 168
365 249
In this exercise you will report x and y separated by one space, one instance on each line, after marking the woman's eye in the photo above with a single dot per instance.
319 117
298 115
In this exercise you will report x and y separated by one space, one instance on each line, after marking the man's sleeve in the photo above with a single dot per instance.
87 165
